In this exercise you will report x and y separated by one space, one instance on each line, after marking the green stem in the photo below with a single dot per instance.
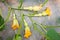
22 18
34 25
50 26
23 9
39 25
34 16
21 2
0 11
7 18
44 2
18 32
43 28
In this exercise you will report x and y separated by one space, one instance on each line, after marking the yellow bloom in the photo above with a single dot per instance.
48 11
27 30
15 24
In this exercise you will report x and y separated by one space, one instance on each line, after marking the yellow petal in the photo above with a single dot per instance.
48 12
27 32
27 35
15 24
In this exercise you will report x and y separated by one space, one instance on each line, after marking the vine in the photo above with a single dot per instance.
27 32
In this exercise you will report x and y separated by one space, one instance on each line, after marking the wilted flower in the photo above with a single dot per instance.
27 31
15 24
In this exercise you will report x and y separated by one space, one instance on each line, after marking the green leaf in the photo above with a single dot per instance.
1 22
17 37
44 2
53 35
3 1
20 2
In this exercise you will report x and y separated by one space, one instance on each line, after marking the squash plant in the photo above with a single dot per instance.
49 34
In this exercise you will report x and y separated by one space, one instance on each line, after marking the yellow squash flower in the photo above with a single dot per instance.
46 12
15 24
27 30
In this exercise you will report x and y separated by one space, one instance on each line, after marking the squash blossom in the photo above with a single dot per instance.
27 31
34 8
46 12
15 24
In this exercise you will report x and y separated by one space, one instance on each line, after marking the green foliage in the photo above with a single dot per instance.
3 0
53 35
45 2
20 2
17 37
1 22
